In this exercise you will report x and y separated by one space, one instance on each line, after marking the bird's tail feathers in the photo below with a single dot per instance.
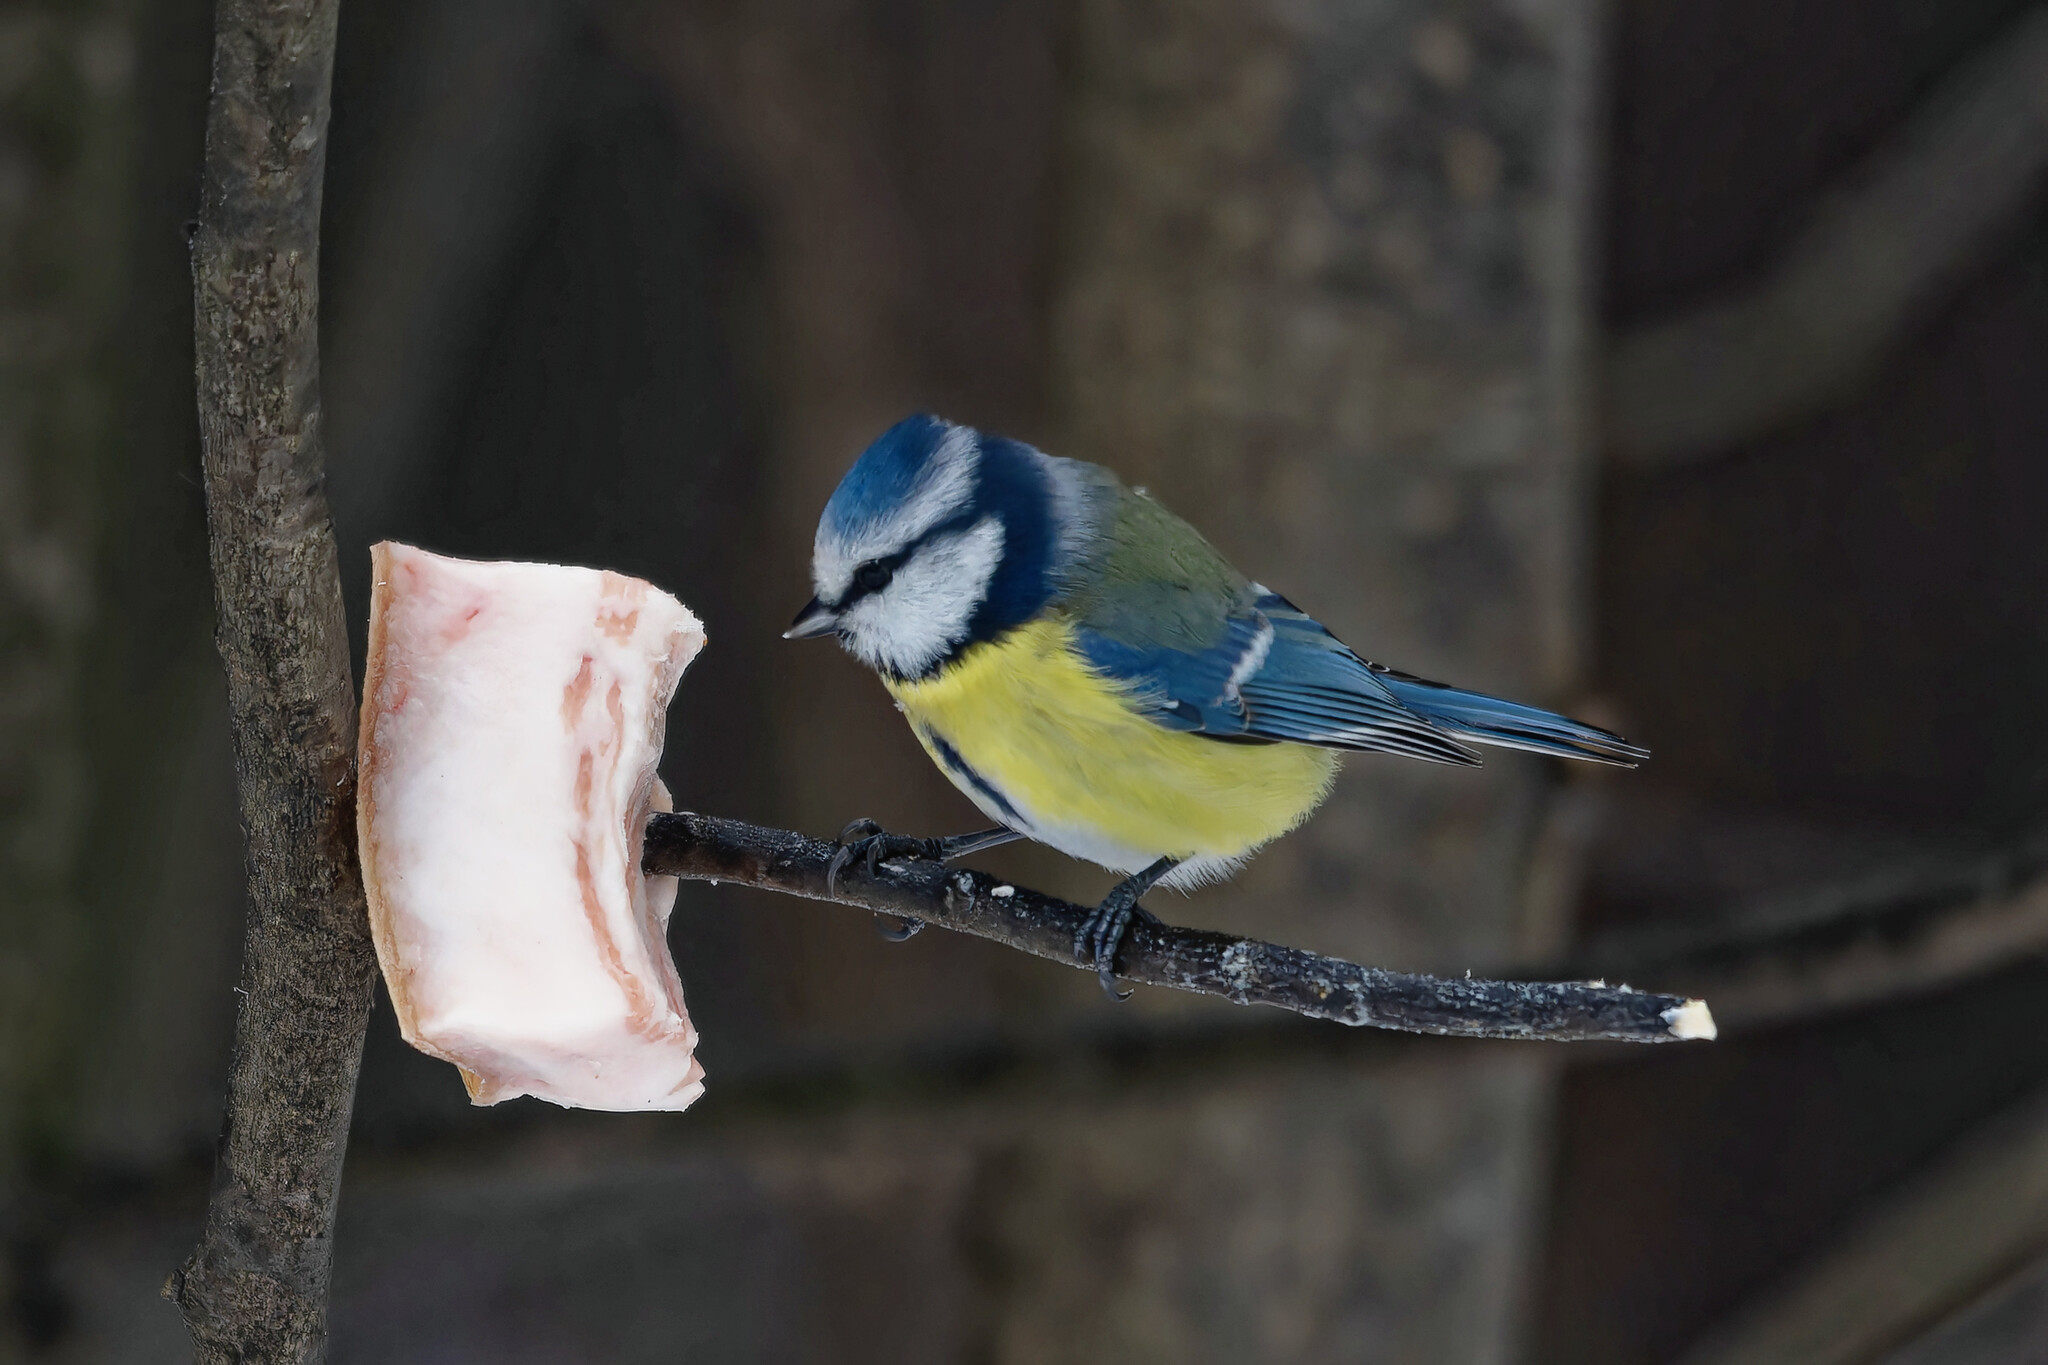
1482 719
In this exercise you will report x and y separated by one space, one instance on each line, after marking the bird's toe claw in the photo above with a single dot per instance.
896 930
1101 935
841 857
867 842
857 830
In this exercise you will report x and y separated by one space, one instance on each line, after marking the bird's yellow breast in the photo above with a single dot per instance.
1025 720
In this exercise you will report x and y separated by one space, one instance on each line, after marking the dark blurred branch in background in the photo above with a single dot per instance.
1877 257
1969 1228
255 1288
1244 971
1891 933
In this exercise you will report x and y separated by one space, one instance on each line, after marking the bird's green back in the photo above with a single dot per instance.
1153 581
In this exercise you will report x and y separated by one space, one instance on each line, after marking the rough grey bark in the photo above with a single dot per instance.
1244 971
255 1288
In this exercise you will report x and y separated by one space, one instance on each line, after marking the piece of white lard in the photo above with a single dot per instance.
512 720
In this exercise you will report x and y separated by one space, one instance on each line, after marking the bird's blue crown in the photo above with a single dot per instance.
885 476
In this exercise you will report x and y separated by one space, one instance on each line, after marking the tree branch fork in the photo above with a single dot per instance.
1244 971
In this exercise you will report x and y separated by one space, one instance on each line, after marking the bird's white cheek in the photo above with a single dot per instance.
925 611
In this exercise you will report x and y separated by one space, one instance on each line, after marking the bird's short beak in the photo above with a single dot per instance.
815 619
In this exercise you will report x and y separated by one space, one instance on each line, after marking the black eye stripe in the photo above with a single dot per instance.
872 576
855 589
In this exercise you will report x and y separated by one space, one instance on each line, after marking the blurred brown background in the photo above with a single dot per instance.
1681 365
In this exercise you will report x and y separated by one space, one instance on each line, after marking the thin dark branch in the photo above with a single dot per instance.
255 1288
1245 971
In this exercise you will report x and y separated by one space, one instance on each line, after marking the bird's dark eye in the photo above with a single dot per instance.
873 576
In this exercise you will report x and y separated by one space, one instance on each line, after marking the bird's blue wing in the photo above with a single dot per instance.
1200 648
1273 673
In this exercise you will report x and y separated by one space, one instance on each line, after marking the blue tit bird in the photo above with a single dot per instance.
1093 675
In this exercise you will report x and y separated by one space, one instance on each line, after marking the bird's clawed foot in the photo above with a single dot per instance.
867 843
1101 935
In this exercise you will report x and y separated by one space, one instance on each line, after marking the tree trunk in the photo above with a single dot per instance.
255 1289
